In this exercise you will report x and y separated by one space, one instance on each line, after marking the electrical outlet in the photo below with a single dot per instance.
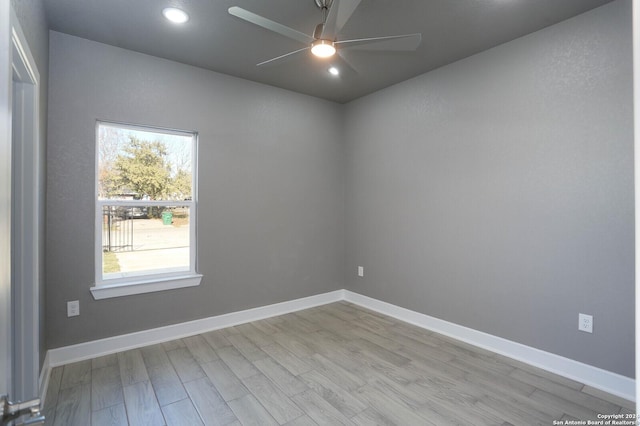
585 323
73 308
361 271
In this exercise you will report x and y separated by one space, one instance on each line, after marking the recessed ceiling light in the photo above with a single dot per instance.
175 15
334 71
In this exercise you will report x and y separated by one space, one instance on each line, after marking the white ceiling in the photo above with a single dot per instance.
215 40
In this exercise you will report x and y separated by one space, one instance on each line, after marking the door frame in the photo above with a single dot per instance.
5 198
25 215
636 162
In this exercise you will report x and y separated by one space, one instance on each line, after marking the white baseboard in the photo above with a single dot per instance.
607 381
110 345
43 381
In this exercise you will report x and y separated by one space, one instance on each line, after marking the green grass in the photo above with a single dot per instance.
110 262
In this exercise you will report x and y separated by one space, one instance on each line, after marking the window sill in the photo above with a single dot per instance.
140 286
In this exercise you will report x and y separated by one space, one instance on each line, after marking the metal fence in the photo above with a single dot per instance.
117 228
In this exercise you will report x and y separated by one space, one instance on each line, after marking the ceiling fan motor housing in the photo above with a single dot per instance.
323 4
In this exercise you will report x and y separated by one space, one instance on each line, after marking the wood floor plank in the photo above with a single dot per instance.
53 390
382 339
411 331
302 421
452 405
597 404
132 368
181 413
492 380
332 364
348 307
142 405
539 372
287 359
502 398
273 399
110 416
414 342
104 361
334 309
227 383
616 400
166 384
213 410
78 373
265 327
371 417
173 345
323 343
325 320
374 323
246 347
154 355
342 400
420 350
200 350
74 406
297 322
366 346
250 412
563 405
391 409
294 344
287 382
255 335
470 355
106 387
237 363
186 366
217 339
337 374
320 410
513 414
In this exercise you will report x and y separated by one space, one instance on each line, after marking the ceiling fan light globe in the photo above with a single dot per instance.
323 48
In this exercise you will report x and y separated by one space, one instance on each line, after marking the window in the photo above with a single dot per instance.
145 210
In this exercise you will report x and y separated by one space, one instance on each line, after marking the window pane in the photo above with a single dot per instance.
137 240
142 164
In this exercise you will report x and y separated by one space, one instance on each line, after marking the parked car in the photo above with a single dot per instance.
137 212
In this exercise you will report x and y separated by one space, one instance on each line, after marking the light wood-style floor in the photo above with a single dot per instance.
335 364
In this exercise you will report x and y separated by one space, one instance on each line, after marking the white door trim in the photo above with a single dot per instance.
25 220
5 199
636 144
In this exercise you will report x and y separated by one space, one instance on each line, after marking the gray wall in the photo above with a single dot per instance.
497 192
271 210
33 22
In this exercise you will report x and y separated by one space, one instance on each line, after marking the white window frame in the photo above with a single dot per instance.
163 279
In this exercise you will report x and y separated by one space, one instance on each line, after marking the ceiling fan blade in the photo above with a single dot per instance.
343 65
339 13
399 42
282 58
270 25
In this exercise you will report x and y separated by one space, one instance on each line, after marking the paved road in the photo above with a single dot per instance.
155 245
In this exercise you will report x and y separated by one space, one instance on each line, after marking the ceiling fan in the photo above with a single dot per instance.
324 43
